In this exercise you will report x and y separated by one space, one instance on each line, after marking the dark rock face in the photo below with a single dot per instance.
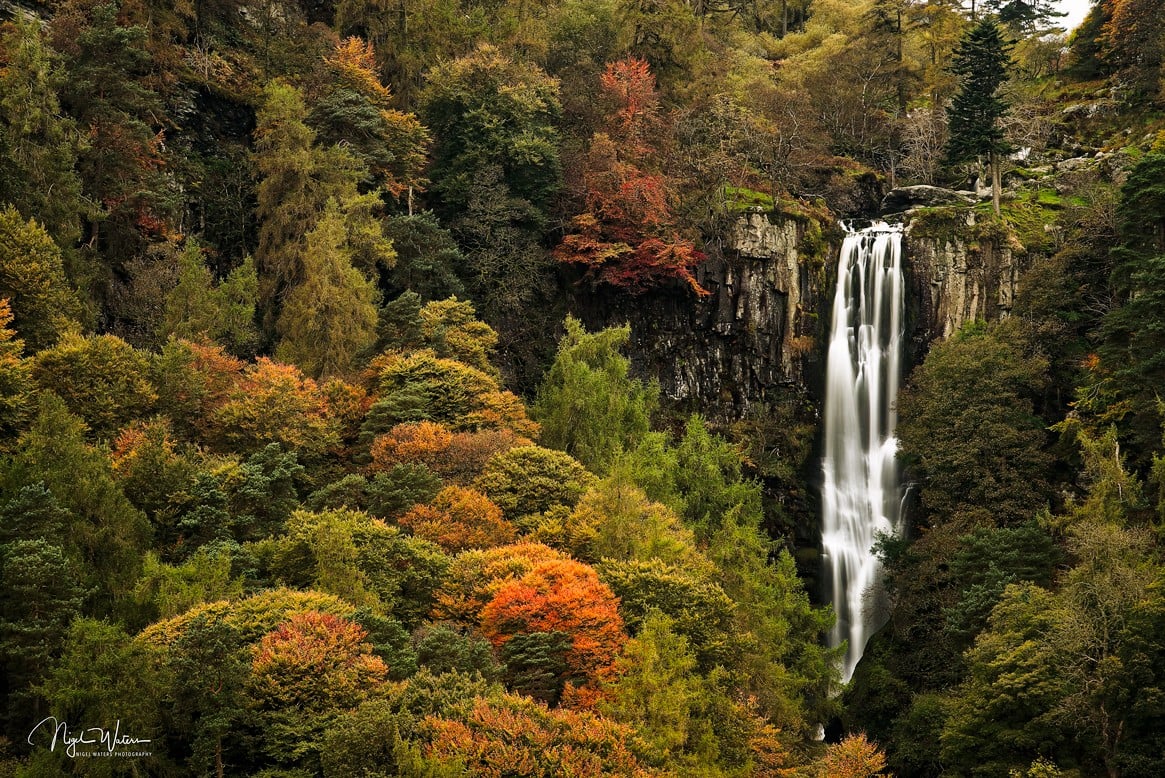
922 196
756 334
956 275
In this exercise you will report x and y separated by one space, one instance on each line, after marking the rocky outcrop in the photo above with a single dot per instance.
960 271
905 198
754 336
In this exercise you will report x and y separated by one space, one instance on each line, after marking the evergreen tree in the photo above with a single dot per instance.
981 61
32 278
330 317
39 145
588 404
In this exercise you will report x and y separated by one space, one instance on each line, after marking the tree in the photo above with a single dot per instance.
475 576
41 598
458 519
352 108
588 404
15 379
1133 330
981 61
627 236
40 144
486 109
560 596
304 673
507 734
101 378
495 170
428 259
530 480
969 426
330 317
853 757
197 308
105 533
1029 17
299 179
1134 46
658 692
32 278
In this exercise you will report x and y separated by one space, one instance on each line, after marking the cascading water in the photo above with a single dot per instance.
862 492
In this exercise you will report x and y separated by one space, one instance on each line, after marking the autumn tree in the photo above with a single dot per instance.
627 236
353 107
15 379
459 519
303 673
562 596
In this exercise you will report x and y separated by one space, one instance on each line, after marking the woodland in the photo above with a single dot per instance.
307 469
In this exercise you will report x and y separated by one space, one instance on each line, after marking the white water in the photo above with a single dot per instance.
862 492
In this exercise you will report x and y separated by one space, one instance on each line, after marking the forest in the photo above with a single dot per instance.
311 466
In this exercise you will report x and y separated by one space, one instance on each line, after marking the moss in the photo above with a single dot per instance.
940 222
738 199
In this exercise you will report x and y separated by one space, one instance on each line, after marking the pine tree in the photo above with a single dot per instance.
982 60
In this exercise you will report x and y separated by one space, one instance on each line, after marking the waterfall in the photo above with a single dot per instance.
862 492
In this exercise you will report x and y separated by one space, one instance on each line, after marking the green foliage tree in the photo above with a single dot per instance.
486 109
101 378
105 534
32 278
1133 329
40 145
41 598
198 308
588 404
968 423
657 690
428 260
981 61
330 317
530 480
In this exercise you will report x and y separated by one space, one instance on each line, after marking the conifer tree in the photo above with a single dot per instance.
331 317
982 60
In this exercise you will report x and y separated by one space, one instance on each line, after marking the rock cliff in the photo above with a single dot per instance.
756 333
959 271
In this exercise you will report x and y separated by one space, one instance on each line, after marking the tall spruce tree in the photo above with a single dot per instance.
981 61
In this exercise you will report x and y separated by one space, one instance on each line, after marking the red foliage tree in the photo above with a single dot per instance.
627 236
561 596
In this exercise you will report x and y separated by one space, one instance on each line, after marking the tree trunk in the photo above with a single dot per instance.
996 184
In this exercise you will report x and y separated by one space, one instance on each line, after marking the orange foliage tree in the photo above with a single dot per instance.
561 596
423 442
275 403
460 519
627 235
513 736
315 660
475 576
853 757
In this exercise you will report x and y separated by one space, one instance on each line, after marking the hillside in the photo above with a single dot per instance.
437 387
